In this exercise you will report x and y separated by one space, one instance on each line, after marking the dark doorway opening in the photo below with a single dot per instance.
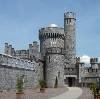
70 81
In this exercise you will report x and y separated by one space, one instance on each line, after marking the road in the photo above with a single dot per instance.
72 93
86 94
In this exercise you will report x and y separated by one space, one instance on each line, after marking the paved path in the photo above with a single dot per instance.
73 93
86 94
51 93
33 94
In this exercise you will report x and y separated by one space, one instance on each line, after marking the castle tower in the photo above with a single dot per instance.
6 48
70 71
34 51
52 52
10 50
94 63
70 38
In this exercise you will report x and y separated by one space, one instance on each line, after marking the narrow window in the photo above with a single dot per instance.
96 70
49 58
69 20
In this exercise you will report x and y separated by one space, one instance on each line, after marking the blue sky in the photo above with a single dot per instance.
20 21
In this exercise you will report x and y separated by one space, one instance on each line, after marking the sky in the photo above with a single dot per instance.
20 21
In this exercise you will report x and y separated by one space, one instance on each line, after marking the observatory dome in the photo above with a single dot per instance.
52 25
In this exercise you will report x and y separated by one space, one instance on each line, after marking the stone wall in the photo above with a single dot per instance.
9 71
70 37
54 68
8 77
52 51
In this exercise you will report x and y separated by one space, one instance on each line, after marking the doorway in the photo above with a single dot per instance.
70 81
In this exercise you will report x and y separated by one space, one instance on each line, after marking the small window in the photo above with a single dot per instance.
59 74
49 58
96 70
69 20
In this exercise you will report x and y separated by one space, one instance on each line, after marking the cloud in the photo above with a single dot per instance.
85 59
99 59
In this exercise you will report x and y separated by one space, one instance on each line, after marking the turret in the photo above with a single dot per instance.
70 38
10 49
94 63
52 52
6 48
51 36
34 51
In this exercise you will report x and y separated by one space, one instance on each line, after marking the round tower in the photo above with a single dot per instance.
70 38
52 52
70 49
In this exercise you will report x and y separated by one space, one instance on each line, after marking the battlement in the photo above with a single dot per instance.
9 49
12 61
51 35
77 59
26 54
94 60
70 15
51 32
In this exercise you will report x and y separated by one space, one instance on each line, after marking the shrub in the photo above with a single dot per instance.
42 83
19 83
95 88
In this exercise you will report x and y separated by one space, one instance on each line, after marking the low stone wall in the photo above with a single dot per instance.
8 77
12 67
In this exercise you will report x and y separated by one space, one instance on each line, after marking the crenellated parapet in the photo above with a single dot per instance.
70 15
51 35
94 63
51 32
14 62
93 60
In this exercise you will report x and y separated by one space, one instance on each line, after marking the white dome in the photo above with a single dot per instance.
85 59
52 25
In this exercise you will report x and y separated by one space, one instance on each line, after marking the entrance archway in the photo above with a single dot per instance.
71 81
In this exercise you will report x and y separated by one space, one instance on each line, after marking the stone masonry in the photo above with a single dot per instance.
52 52
12 67
56 61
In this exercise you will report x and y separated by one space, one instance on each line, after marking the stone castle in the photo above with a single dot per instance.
56 59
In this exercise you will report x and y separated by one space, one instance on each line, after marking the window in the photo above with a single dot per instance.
69 20
59 74
96 70
49 58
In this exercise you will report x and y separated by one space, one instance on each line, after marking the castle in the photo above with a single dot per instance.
56 59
